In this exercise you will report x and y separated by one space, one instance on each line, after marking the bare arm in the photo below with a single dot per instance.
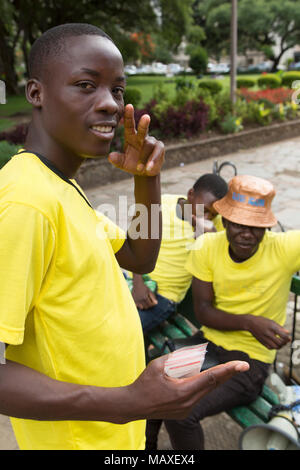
140 250
143 157
266 331
143 297
27 394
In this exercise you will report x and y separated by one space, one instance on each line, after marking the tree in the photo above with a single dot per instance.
22 21
198 60
262 24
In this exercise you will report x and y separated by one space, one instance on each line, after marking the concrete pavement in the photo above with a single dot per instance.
278 162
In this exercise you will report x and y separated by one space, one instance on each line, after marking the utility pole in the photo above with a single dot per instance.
233 52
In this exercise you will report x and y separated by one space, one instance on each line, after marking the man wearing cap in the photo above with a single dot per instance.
241 285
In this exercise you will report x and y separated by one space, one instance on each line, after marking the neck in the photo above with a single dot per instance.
39 141
237 259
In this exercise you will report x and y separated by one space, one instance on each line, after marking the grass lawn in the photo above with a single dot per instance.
14 105
148 84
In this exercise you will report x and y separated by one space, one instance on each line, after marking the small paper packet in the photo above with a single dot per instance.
185 362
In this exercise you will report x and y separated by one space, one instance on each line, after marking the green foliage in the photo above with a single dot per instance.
21 25
132 96
289 77
198 60
184 83
231 124
269 80
7 151
207 98
259 23
6 124
245 82
214 86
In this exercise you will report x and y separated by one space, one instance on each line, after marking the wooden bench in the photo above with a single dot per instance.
183 324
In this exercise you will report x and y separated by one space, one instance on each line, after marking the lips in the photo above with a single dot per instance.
245 246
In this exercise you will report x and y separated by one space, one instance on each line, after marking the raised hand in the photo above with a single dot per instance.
143 155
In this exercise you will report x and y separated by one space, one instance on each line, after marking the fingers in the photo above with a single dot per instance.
277 337
155 160
129 126
129 122
116 159
146 303
215 376
143 128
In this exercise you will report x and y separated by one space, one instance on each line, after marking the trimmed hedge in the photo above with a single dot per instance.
132 96
270 80
289 77
242 82
214 86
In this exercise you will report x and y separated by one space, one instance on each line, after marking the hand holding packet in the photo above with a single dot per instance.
185 362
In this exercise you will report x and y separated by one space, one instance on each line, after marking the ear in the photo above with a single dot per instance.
190 195
34 92
224 222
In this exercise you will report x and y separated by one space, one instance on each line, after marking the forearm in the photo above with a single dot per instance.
28 394
215 318
137 280
144 233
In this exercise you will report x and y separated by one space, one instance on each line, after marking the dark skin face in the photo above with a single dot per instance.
243 240
205 198
78 103
200 197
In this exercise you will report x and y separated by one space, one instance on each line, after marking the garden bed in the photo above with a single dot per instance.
100 172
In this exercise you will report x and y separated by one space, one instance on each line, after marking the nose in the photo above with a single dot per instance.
105 101
247 233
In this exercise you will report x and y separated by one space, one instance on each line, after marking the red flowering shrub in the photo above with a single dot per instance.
186 121
16 135
275 95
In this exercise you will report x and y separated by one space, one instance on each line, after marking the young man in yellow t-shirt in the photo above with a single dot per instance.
74 376
241 286
179 231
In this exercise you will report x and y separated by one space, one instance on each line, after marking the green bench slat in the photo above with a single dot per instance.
244 416
269 395
295 286
171 331
182 324
156 338
261 408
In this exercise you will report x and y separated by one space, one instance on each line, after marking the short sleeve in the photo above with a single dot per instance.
198 263
26 249
115 234
290 246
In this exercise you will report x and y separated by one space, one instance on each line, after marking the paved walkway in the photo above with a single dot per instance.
278 162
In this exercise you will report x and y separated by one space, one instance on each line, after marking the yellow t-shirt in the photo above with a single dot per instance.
173 280
65 308
258 286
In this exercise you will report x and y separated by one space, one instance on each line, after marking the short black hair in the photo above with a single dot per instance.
53 42
211 183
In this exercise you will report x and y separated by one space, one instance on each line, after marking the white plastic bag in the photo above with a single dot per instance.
185 362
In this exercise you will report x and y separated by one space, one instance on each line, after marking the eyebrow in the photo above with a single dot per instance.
94 73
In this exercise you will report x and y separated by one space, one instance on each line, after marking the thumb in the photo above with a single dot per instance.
153 297
116 159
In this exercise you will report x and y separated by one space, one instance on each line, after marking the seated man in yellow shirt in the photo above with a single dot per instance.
178 236
75 375
241 285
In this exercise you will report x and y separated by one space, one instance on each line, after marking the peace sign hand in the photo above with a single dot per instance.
144 155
